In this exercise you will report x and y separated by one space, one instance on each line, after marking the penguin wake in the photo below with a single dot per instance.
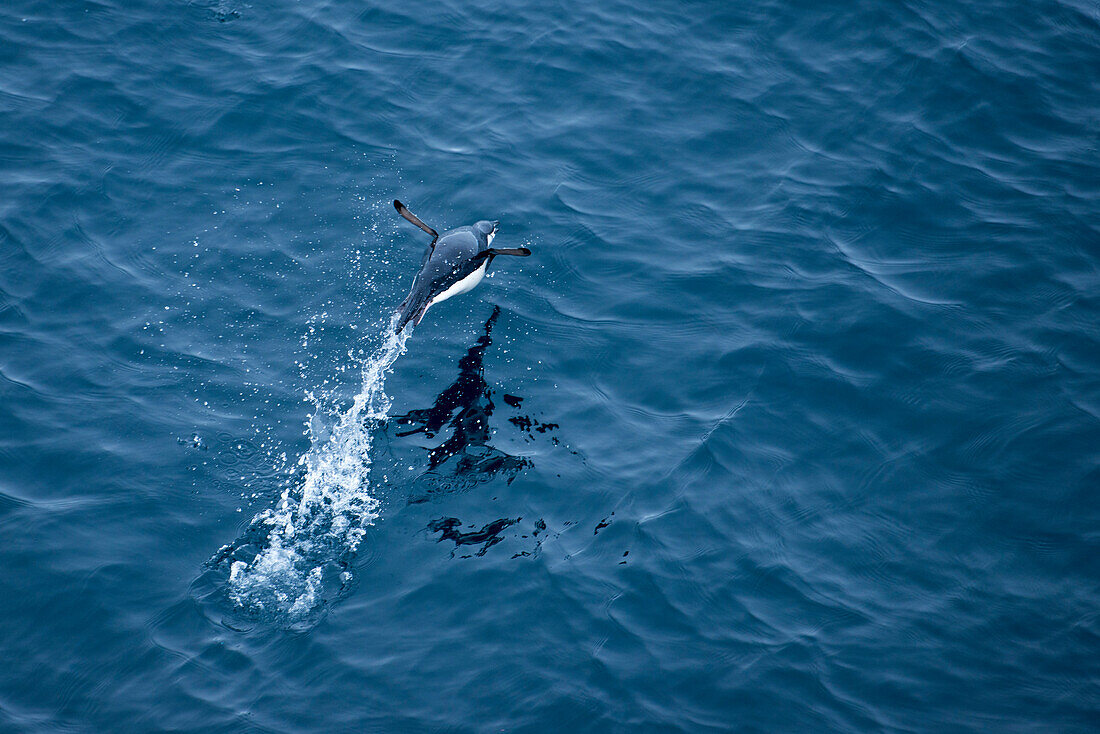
310 538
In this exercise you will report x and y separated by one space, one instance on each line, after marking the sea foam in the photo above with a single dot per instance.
313 533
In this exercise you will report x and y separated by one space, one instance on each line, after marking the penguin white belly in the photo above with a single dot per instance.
466 284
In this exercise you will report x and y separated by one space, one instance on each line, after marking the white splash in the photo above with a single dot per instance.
317 526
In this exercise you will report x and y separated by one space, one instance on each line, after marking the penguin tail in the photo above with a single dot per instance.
411 309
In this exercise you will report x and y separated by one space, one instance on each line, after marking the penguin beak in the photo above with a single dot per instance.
496 226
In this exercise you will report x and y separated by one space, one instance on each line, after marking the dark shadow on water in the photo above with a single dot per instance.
450 528
465 458
486 537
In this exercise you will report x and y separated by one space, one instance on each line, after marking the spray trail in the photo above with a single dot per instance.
314 531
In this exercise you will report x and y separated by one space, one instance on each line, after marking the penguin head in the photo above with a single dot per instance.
487 228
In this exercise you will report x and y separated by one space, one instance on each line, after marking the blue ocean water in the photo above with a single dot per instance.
790 423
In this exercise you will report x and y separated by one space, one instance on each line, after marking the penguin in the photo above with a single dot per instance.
455 262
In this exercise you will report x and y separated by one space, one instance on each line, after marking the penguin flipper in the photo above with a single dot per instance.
494 251
404 212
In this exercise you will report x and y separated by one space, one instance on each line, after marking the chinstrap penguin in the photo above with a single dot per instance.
456 261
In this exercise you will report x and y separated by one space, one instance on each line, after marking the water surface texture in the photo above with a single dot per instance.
791 423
